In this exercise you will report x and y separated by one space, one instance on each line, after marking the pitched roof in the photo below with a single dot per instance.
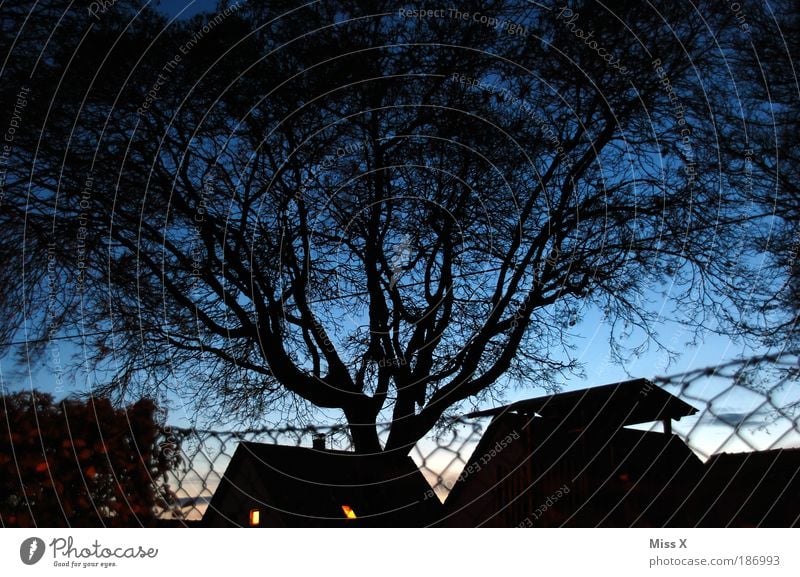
626 403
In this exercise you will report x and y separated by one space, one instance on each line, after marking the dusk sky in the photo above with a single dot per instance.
589 336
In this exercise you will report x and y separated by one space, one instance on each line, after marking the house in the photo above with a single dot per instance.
570 459
268 485
751 489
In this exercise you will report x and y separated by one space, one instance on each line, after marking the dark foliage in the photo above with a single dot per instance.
80 464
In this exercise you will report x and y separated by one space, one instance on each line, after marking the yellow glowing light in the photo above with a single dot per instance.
348 512
255 517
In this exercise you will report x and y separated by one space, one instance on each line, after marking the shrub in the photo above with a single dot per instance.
80 463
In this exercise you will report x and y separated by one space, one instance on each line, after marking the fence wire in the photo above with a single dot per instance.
205 455
742 406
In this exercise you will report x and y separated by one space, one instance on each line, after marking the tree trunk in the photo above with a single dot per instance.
407 432
361 422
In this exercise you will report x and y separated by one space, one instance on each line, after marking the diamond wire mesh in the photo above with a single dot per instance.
749 405
745 405
205 455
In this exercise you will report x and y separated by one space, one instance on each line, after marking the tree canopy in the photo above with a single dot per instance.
383 210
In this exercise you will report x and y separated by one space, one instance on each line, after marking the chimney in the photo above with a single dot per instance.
318 441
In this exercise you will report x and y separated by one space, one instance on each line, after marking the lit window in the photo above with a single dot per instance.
348 512
255 517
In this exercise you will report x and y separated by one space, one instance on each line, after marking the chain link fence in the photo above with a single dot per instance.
742 406
204 456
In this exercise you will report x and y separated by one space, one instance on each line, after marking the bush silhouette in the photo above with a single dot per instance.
80 463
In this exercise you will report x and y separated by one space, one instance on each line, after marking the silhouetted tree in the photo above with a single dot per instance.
759 142
352 206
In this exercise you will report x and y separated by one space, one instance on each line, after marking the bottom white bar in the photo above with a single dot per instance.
189 552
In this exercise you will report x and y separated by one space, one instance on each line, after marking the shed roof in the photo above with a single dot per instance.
631 402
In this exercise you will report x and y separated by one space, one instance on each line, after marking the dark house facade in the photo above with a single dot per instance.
569 460
753 489
280 486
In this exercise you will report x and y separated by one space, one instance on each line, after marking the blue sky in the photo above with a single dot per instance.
185 8
590 335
